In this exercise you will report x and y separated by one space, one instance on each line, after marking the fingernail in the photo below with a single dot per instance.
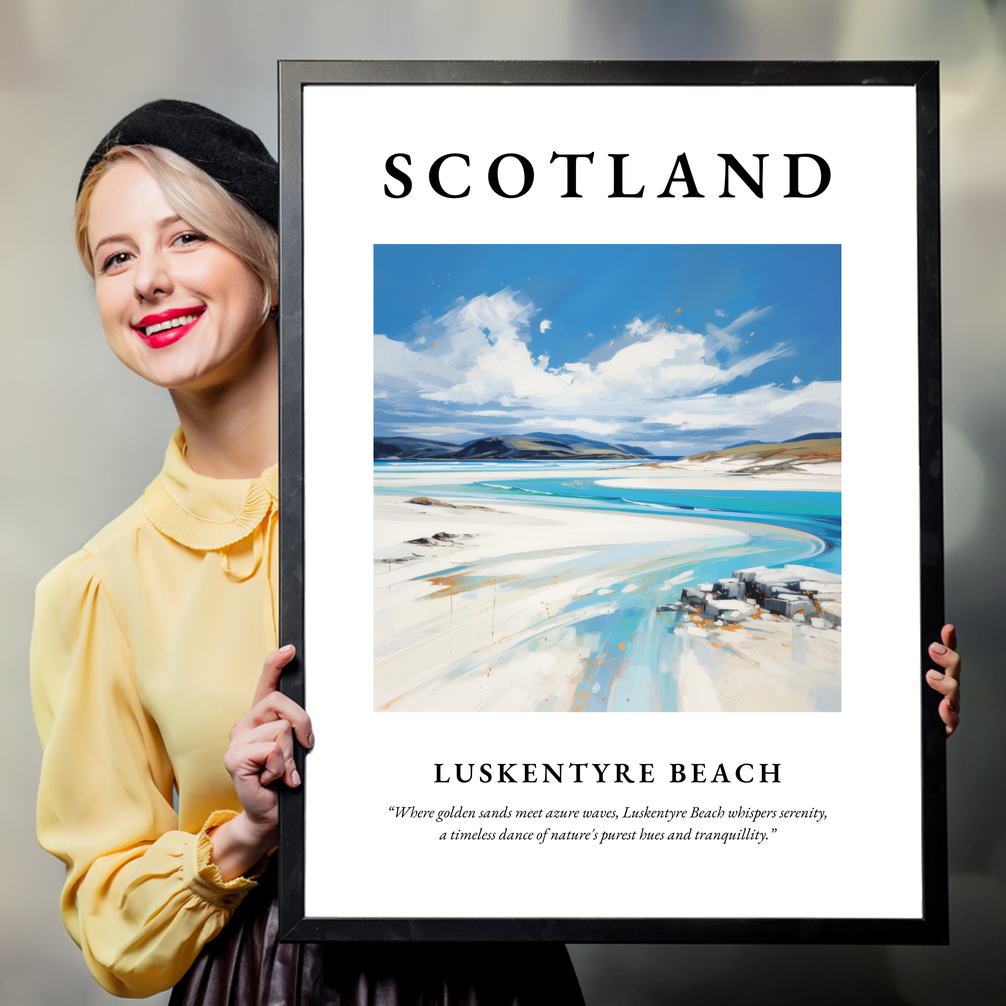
938 648
936 675
287 649
310 740
295 777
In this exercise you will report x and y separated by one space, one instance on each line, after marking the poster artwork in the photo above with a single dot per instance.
607 477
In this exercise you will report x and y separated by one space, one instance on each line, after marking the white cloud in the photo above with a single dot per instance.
796 380
579 425
484 342
772 413
450 434
475 364
545 326
727 337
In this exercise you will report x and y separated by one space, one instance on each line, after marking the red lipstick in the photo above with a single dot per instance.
166 327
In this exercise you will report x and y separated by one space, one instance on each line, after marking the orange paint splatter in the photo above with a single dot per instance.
455 583
677 310
621 646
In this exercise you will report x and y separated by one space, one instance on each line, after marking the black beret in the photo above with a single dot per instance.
230 154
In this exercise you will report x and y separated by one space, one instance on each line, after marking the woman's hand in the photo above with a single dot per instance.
260 753
947 682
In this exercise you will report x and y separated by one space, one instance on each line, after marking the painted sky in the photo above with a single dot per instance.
675 348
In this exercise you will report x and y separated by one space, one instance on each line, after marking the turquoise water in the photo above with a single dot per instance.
629 640
817 513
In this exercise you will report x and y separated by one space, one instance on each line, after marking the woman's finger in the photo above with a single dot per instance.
949 636
947 681
260 760
944 684
950 716
274 764
949 688
948 659
278 732
277 706
271 671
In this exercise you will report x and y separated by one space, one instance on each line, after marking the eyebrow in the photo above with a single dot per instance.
111 238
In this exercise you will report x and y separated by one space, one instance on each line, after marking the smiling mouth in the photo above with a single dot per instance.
185 319
165 324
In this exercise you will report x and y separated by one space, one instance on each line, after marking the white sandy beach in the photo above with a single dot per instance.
498 589
721 473
764 664
495 609
670 475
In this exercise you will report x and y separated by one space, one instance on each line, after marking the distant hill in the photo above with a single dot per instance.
814 436
410 447
792 440
525 446
814 448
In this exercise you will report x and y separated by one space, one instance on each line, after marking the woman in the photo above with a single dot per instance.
148 643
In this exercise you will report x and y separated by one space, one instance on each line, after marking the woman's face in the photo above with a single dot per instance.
177 308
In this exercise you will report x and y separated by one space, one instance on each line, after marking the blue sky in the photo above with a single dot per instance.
675 348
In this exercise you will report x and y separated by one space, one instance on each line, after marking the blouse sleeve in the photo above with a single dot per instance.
141 898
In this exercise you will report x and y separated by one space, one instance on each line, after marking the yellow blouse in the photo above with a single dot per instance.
147 647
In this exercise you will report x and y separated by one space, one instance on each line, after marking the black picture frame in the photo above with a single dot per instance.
931 927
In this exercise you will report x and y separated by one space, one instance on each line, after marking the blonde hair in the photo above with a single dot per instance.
199 200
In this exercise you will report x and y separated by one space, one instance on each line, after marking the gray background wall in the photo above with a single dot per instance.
82 436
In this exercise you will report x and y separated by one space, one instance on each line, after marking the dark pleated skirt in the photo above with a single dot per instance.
246 965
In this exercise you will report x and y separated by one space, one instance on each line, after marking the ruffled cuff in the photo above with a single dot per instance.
203 878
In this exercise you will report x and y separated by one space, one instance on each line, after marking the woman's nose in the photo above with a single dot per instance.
152 277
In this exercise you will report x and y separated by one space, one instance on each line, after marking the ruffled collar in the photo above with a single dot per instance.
203 513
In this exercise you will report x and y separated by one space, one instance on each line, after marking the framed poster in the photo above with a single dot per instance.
612 389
